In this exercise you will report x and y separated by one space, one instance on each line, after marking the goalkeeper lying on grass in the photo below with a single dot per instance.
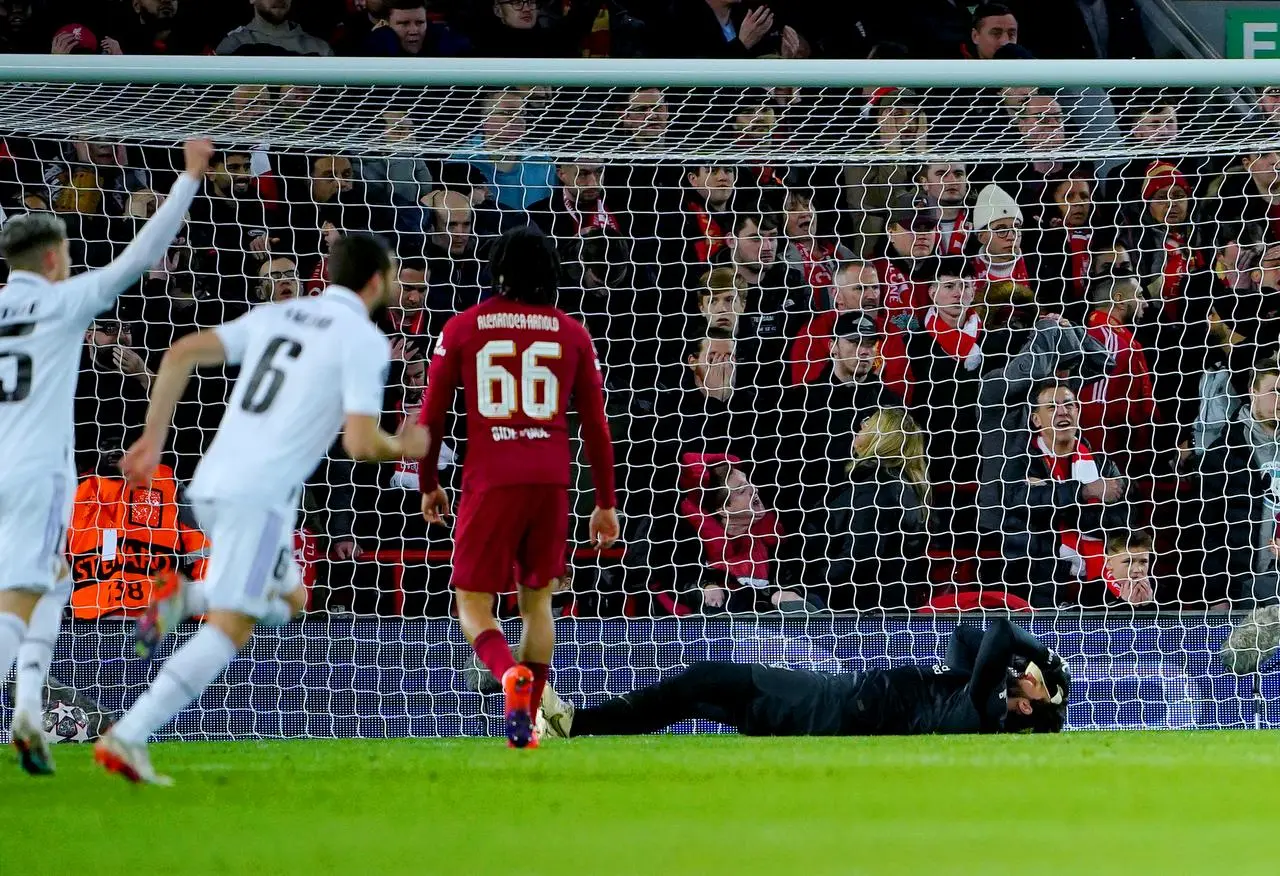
1002 680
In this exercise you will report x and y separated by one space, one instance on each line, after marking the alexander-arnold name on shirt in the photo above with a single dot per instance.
523 321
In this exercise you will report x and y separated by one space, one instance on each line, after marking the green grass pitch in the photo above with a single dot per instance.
1087 803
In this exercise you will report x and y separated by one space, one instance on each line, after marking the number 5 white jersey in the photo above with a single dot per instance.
42 328
304 365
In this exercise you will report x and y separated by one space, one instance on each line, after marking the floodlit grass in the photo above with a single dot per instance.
1088 803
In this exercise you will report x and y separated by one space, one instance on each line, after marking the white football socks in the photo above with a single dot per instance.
191 669
36 652
12 629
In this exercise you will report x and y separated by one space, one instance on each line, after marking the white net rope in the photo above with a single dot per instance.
784 125
868 353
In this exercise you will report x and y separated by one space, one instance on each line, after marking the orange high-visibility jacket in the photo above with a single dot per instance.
122 537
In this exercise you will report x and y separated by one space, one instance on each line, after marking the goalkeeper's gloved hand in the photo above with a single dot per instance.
1057 676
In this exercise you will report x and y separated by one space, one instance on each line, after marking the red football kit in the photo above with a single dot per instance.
518 366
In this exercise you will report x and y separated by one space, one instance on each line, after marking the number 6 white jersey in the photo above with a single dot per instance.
304 365
42 328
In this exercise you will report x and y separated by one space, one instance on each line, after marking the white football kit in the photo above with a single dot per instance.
304 365
42 328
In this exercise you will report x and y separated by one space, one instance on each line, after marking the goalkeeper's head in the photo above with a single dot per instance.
1037 701
525 267
37 242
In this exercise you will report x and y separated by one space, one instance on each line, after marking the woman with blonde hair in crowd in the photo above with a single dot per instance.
869 546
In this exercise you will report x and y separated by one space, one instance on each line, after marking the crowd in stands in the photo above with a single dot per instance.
573 28
898 384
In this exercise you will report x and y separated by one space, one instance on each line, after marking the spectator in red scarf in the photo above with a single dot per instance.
947 183
1116 412
997 226
943 374
1166 256
1020 503
1061 255
739 537
1063 459
814 255
708 195
1175 327
857 288
912 238
577 204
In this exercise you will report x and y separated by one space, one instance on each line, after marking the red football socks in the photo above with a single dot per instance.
494 652
541 672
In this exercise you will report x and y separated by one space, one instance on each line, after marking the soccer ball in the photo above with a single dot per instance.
65 722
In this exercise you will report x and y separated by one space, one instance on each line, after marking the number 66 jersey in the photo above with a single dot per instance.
518 366
304 365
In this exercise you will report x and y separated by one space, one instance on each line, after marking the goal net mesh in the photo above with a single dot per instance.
874 357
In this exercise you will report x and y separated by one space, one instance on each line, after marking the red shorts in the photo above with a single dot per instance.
509 536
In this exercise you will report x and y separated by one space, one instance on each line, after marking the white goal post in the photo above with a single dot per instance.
882 340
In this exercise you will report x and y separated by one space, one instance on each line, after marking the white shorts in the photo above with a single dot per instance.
250 554
34 515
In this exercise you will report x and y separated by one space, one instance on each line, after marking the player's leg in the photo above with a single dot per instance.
249 561
540 560
16 607
537 640
489 528
36 653
34 587
714 691
181 681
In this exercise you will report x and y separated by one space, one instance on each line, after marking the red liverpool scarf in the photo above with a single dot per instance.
959 343
710 235
600 218
954 235
1086 554
816 265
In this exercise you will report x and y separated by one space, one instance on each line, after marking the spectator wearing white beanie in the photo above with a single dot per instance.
997 225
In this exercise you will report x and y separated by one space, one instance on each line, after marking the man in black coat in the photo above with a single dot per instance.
1081 28
819 419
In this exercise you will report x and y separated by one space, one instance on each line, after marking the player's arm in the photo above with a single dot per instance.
188 353
155 237
443 379
365 441
364 378
588 392
963 647
1002 641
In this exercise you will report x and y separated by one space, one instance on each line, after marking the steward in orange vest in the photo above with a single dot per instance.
122 537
